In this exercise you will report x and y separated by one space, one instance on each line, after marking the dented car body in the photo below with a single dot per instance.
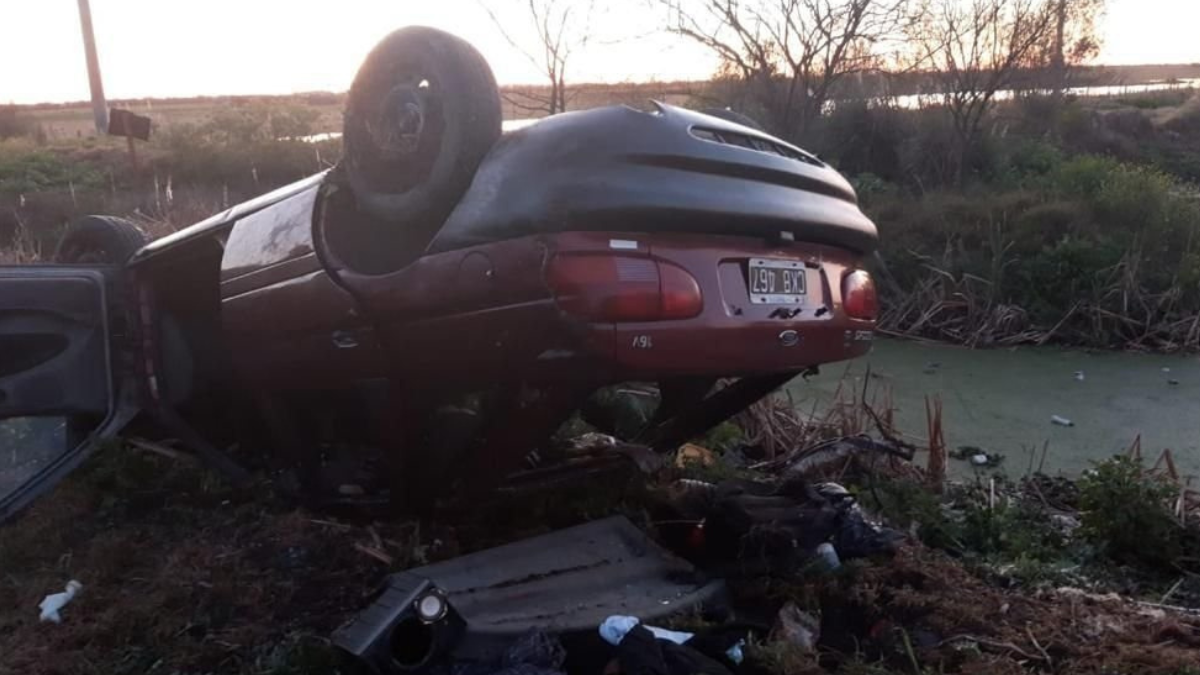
589 248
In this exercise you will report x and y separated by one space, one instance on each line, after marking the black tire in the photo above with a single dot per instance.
101 240
422 113
733 116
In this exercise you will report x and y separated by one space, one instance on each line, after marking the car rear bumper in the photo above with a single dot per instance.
488 314
732 335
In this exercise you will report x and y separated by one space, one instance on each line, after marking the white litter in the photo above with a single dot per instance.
1166 370
1061 421
52 604
614 629
828 556
1079 376
979 460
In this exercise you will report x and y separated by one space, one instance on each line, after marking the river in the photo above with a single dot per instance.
1002 400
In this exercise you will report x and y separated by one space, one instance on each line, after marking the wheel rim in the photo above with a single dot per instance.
399 121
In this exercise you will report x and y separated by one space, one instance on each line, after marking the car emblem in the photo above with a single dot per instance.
789 338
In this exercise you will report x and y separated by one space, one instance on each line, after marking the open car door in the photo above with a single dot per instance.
57 384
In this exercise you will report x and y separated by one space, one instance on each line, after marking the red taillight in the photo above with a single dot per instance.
858 296
603 287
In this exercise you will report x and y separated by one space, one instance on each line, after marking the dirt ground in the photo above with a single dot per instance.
181 574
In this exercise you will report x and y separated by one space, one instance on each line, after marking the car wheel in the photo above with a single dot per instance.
422 113
733 116
103 240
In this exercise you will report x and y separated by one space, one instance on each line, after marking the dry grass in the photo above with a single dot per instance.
22 249
965 310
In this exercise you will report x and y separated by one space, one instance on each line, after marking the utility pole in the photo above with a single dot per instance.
99 105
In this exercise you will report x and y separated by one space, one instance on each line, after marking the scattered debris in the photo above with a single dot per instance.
690 454
1079 376
52 604
1061 421
796 627
828 557
977 456
616 627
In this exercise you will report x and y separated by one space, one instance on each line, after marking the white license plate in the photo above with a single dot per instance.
777 282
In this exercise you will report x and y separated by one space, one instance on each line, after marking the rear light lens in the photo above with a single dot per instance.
859 297
617 288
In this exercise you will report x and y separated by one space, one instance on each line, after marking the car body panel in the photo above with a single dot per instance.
620 169
292 323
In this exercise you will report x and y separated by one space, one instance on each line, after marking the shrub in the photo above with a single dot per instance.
1125 514
1084 176
1133 196
1011 532
13 123
1033 158
24 169
870 187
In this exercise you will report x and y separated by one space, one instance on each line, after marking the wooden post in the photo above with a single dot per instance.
99 106
129 139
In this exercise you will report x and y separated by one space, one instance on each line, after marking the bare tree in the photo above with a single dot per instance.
977 48
791 55
559 29
1075 39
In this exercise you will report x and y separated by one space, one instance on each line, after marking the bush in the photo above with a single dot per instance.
864 137
1011 532
1134 197
13 124
24 169
1125 514
254 148
1033 158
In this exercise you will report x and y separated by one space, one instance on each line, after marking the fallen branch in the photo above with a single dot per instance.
374 553
159 449
995 644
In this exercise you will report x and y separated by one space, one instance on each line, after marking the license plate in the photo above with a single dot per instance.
777 282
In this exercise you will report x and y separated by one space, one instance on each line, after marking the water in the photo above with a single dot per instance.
1003 399
914 101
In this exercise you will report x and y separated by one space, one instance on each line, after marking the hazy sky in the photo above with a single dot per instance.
188 47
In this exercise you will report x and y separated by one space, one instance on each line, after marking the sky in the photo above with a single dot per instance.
166 48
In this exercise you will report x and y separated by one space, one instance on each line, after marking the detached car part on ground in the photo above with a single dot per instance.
446 295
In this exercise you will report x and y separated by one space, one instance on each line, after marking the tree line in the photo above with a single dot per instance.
787 62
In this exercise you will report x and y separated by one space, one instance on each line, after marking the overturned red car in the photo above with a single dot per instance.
448 295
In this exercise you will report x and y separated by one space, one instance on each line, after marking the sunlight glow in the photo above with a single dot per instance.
168 48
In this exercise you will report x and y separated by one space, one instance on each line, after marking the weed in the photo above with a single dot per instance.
1126 514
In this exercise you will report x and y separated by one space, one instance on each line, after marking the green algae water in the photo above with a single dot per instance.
1002 400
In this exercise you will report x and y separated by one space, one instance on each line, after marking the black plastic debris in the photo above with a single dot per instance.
755 527
475 608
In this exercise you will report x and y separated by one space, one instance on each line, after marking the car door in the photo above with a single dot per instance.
57 391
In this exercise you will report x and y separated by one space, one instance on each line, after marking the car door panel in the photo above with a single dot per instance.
54 357
56 374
